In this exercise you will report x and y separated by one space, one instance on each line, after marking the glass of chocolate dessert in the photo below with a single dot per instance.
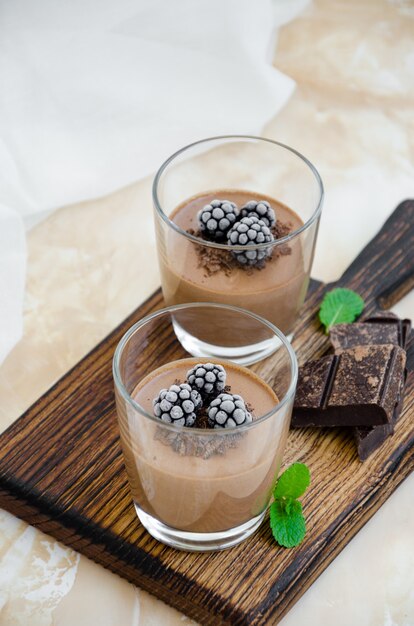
236 223
202 438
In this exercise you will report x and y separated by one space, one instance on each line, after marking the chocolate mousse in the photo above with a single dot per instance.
208 477
194 271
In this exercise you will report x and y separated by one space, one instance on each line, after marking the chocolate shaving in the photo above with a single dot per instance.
186 444
214 260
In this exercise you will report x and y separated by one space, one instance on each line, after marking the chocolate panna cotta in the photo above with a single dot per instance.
194 269
361 385
201 478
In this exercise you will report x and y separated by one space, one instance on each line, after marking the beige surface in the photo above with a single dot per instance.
91 264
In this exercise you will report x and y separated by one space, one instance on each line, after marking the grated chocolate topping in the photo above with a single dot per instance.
214 260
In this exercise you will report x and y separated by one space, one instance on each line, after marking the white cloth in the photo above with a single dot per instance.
12 278
97 93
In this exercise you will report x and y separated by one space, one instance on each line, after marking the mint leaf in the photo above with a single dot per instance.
288 528
288 504
286 517
340 306
293 482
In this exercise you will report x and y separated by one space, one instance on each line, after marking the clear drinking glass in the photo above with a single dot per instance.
238 168
199 488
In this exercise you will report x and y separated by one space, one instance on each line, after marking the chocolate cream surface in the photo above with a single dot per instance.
204 493
193 272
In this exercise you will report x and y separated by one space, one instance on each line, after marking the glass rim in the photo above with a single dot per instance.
212 244
189 429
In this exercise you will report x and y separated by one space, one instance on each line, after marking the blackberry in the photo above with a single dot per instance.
216 218
260 209
177 405
209 379
228 411
249 231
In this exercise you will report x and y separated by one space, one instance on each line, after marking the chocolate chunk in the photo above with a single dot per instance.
387 317
381 316
369 438
358 387
406 332
343 336
313 382
380 328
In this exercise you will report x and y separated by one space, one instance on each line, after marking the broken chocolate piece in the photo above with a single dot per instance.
334 392
387 317
406 332
314 381
380 316
380 328
369 438
358 387
343 336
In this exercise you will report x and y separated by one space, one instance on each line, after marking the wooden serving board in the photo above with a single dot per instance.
61 470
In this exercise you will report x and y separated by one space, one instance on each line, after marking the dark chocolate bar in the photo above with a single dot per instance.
358 387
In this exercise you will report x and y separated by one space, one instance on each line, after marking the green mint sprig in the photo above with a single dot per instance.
340 306
286 518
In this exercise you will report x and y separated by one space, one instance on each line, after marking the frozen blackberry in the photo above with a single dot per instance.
177 405
209 379
216 218
246 232
228 411
260 209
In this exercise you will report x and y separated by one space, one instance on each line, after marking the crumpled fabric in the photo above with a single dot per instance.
96 94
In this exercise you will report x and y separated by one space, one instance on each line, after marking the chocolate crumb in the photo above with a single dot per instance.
281 229
202 418
250 408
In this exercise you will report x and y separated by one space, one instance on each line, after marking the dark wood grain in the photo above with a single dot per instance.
61 470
